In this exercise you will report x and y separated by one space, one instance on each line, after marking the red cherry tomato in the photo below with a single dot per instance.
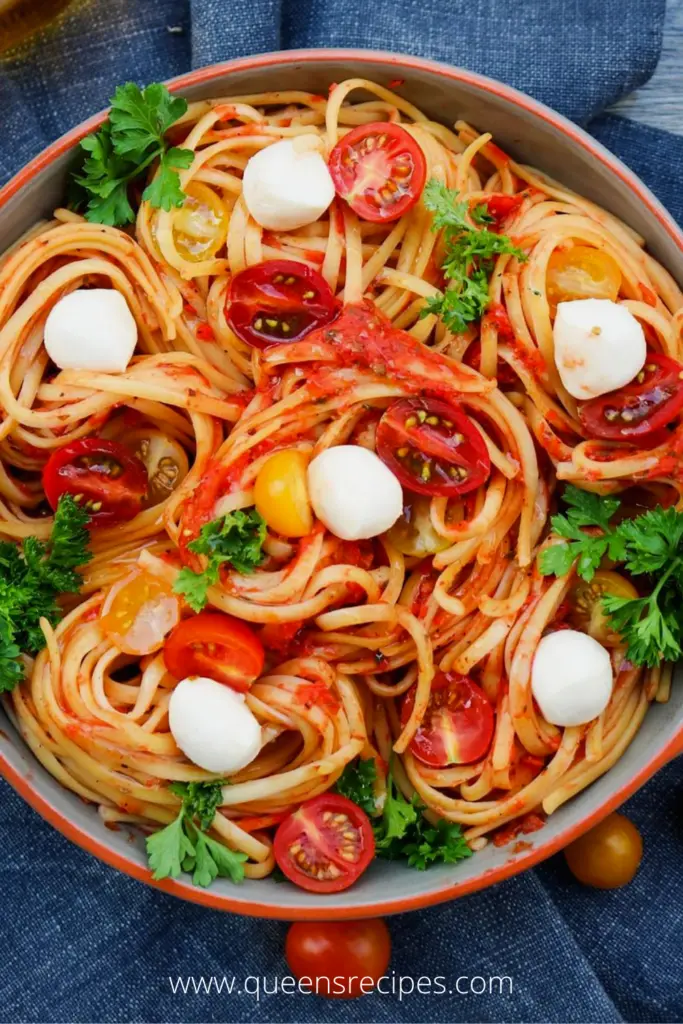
432 447
379 169
458 725
500 206
343 959
325 844
648 403
217 646
111 480
276 301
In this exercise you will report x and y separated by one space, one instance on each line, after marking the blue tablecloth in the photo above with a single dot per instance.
79 942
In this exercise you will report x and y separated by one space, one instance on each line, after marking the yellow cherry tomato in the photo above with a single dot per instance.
413 533
200 225
607 856
581 273
587 612
138 612
165 460
281 494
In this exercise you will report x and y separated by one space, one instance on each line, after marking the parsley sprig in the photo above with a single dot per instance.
184 845
469 256
124 147
32 576
236 538
401 830
651 545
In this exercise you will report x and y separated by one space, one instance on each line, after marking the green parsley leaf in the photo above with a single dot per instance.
651 540
586 549
469 256
184 845
31 578
357 783
441 843
397 817
236 538
123 148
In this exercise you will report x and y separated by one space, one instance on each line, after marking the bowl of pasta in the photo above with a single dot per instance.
339 483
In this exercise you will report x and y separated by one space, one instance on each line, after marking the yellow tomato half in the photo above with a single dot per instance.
413 533
587 613
138 613
165 460
200 225
582 273
281 494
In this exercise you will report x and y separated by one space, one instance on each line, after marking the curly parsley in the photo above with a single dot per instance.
468 259
32 576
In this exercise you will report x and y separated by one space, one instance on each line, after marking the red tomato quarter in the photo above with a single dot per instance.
432 447
379 169
649 402
458 724
217 646
111 481
325 844
343 959
276 301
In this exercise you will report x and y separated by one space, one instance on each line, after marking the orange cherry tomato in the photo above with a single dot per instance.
281 493
343 959
138 612
582 273
458 724
217 646
607 856
326 844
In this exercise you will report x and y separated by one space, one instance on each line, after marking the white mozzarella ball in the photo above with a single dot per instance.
571 677
599 346
91 329
353 493
288 185
213 726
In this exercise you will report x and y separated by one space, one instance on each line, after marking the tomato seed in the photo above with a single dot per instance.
411 422
433 421
421 415
308 295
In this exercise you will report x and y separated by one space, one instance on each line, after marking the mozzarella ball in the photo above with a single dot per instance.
599 346
353 493
91 329
571 677
288 185
213 726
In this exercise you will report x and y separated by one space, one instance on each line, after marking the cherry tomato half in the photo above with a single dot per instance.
138 612
413 532
111 482
217 646
325 844
607 856
343 959
164 459
500 206
200 225
458 724
432 447
649 402
281 493
582 272
587 614
379 169
276 301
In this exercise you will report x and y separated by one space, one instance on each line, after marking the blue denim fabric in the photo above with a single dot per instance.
79 942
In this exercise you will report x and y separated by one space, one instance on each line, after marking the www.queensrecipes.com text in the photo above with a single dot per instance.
397 985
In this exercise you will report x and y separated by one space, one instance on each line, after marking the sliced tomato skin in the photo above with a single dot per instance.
291 294
104 472
236 659
641 407
444 458
458 724
318 841
379 170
